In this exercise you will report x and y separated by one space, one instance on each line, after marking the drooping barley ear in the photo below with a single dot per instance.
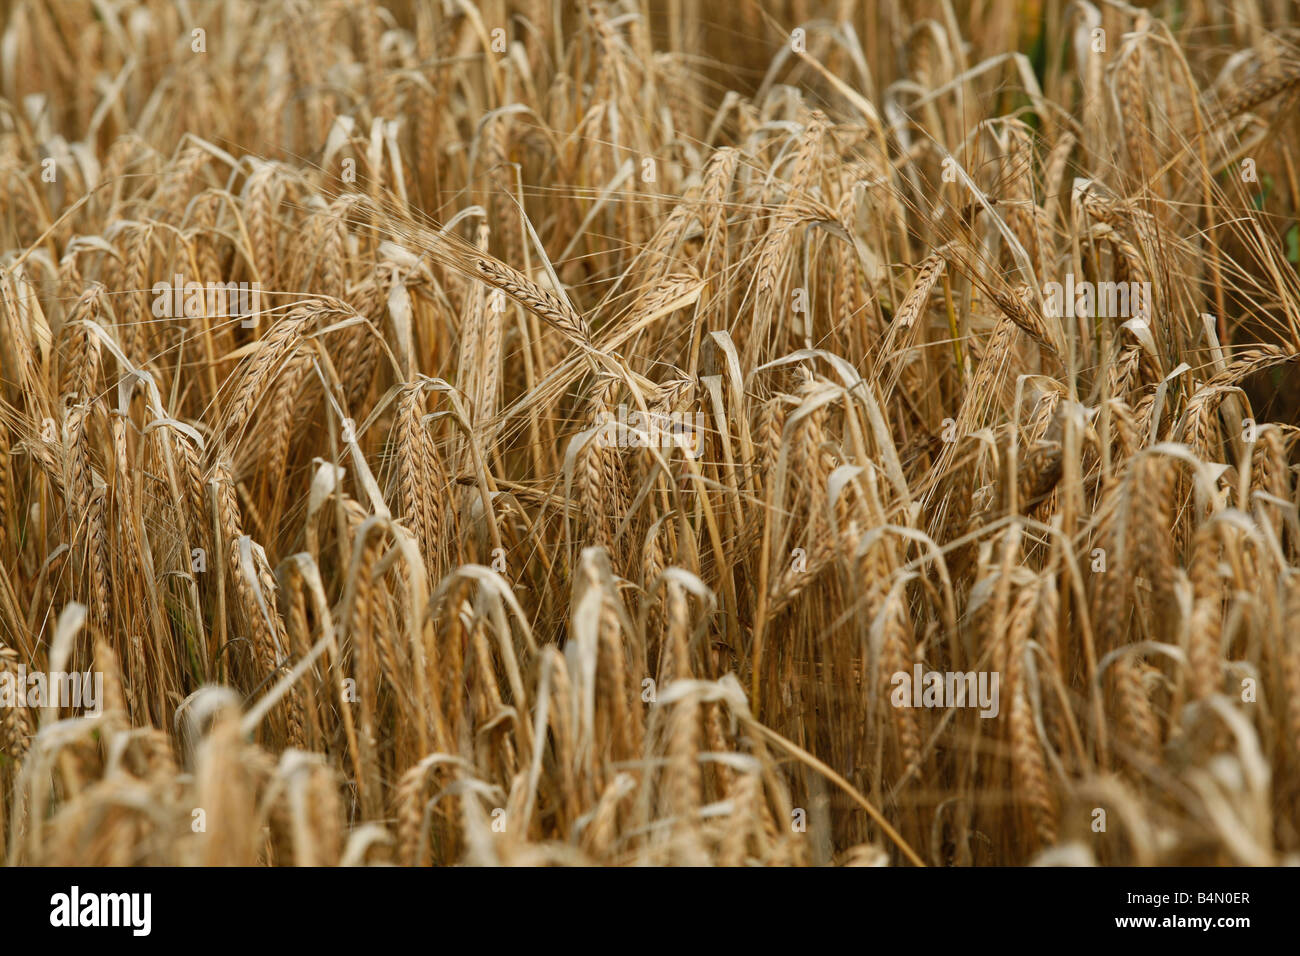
543 303
682 776
1206 625
1113 589
79 373
411 808
226 781
304 716
271 641
809 457
360 348
896 658
420 477
187 461
367 619
1054 167
1125 439
85 501
229 529
928 274
305 39
380 83
113 702
496 140
1132 93
661 255
717 741
324 814
674 663
745 800
282 413
601 833
803 172
428 112
1249 361
1023 213
612 686
1124 374
1151 523
124 504
1038 474
1129 264
22 367
15 722
1291 668
1028 761
1056 711
272 354
209 250
716 185
1270 472
797 578
773 264
295 713
652 565
1019 308
1126 218
1259 89
135 329
479 366
980 396
572 786
71 279
6 485
262 198
485 687
988 377
1138 726
177 183
769 429
392 656
333 259
600 475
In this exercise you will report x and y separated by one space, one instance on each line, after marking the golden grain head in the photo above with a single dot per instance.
641 433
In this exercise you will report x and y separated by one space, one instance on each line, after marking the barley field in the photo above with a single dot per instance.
662 433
